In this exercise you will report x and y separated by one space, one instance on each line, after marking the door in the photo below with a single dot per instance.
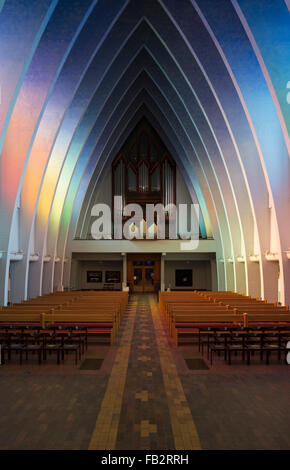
143 272
143 279
138 280
148 280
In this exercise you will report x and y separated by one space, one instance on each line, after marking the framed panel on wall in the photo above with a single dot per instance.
113 277
94 276
183 278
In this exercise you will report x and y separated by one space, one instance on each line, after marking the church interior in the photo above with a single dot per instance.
125 333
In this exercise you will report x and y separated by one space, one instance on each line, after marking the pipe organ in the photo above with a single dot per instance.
144 172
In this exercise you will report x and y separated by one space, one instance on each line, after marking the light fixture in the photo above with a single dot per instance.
271 256
34 257
16 255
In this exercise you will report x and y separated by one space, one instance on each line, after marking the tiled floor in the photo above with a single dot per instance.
144 397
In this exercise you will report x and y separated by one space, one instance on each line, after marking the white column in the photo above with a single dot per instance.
213 267
124 255
162 272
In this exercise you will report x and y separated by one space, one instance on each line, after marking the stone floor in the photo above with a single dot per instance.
144 397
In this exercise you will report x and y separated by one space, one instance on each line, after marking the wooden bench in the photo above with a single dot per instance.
266 318
94 309
28 309
82 298
115 313
184 324
19 318
100 312
209 308
101 326
174 297
259 307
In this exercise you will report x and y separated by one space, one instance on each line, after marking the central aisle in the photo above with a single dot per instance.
144 406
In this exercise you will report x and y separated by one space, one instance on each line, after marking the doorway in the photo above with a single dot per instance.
143 272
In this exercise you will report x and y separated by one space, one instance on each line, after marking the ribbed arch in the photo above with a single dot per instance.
74 62
116 143
163 119
205 75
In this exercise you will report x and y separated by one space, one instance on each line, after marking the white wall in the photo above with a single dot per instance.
83 262
14 246
201 274
98 266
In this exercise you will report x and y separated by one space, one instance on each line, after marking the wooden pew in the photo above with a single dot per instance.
260 307
185 324
86 297
265 312
174 297
101 311
105 310
28 309
101 325
190 309
266 318
19 318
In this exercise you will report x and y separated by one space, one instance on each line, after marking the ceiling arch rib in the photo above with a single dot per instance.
95 68
202 46
119 136
109 126
261 98
267 27
28 22
77 194
138 64
188 146
185 64
69 127
190 56
141 80
30 102
171 131
59 99
164 133
27 113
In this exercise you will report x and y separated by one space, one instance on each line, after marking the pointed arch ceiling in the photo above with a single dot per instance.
211 77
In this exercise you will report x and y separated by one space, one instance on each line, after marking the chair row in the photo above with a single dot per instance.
186 311
246 342
41 343
98 312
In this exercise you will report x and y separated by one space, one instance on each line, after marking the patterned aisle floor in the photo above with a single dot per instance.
154 414
163 405
144 397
